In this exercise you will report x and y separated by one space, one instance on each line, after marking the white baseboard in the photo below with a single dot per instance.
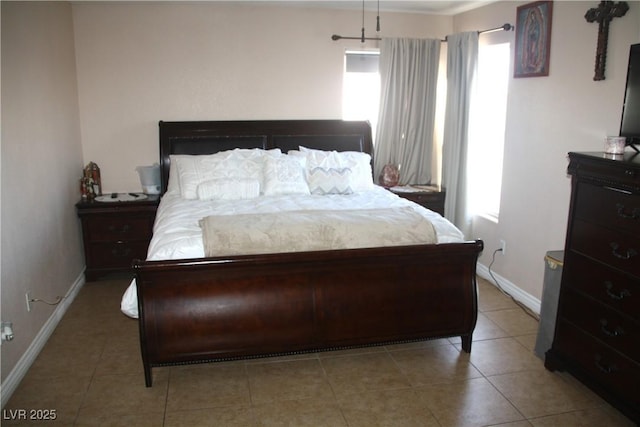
18 372
518 294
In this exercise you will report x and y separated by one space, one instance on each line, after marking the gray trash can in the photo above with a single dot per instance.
549 305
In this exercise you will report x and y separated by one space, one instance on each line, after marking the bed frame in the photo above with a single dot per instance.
210 309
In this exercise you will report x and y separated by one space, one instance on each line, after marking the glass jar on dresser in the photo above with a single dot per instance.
597 336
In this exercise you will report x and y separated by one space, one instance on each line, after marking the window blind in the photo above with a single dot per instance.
362 62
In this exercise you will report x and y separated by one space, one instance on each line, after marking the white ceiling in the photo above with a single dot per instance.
433 7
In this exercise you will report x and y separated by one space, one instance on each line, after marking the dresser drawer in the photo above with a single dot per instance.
605 171
603 284
616 249
618 209
117 254
604 323
613 371
116 228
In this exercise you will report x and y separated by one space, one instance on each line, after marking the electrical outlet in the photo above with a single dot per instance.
503 247
6 329
27 297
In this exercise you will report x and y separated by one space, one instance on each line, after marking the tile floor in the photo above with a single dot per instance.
91 374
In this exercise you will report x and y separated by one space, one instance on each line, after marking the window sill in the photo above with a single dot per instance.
491 217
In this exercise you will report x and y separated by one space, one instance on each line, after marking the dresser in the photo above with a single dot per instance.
597 335
115 233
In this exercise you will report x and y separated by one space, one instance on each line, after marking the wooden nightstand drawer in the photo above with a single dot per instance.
116 227
118 254
116 233
432 197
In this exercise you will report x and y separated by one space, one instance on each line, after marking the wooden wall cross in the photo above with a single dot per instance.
603 15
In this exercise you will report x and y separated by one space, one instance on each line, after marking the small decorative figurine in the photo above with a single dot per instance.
90 183
390 175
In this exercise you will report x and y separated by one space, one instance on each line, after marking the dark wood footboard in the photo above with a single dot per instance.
254 305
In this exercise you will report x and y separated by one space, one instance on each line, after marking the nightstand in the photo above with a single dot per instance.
116 232
430 196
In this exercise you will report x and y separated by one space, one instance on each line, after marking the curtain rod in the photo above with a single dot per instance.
505 27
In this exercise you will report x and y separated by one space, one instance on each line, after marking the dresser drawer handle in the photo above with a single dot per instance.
635 213
604 327
124 229
605 367
629 253
121 251
617 295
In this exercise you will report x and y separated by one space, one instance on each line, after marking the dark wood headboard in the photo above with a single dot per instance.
208 137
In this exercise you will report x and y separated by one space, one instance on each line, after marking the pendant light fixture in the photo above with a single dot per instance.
362 37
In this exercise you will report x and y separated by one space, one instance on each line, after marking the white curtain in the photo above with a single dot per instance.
409 75
462 59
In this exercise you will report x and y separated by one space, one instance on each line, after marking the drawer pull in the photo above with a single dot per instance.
604 327
605 367
629 253
124 229
620 208
617 295
121 251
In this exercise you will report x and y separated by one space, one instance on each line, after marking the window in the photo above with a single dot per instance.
361 87
486 130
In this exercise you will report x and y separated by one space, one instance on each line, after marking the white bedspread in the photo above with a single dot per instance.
177 233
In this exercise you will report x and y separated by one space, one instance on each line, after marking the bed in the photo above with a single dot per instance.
196 306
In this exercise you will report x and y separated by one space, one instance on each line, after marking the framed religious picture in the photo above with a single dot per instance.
533 39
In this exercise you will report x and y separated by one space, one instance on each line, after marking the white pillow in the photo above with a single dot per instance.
248 153
193 172
284 175
190 167
359 163
324 181
228 189
173 186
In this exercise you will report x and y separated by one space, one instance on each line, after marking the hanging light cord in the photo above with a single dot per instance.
362 36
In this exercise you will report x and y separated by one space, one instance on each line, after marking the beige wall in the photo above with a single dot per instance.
41 164
144 62
546 118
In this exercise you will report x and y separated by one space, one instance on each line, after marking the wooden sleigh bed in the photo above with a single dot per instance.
223 308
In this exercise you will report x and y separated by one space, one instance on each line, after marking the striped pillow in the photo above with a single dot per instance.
330 181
